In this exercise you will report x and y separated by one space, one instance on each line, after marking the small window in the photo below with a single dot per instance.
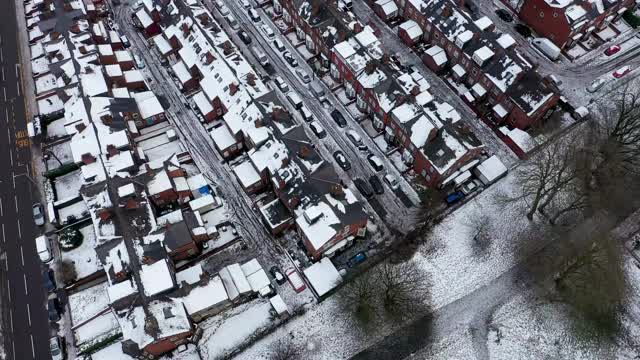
474 72
555 14
436 35
541 14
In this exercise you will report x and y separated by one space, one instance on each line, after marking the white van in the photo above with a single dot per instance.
233 22
294 99
306 114
260 56
282 85
43 249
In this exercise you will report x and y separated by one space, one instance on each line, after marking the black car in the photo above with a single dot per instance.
363 187
523 30
290 59
277 275
471 7
504 15
244 37
338 118
53 306
318 130
48 280
376 184
342 160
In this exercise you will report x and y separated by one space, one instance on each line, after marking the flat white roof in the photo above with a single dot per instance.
323 276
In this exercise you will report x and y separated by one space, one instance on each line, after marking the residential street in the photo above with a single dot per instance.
25 322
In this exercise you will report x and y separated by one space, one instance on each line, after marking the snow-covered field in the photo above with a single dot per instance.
77 209
88 303
56 128
84 257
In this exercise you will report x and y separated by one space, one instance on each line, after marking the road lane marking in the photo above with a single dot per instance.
9 289
22 255
14 179
6 110
11 319
6 262
1 56
3 73
17 70
33 349
29 313
13 345
26 291
4 90
8 132
3 232
1 210
11 157
15 197
19 231
18 86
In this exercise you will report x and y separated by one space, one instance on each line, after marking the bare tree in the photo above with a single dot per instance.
593 282
284 349
359 297
545 175
404 287
480 225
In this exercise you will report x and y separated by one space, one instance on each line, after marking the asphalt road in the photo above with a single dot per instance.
25 324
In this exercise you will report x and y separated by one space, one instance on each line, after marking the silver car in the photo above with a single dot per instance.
54 347
38 214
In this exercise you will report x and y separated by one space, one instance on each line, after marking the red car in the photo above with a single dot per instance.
295 280
612 50
622 72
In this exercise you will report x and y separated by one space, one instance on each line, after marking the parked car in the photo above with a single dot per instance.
612 50
219 3
471 7
137 5
392 181
306 114
338 118
235 25
290 59
255 17
454 198
342 160
277 275
245 4
279 45
504 15
295 280
470 187
523 30
375 162
55 349
357 259
224 11
294 99
596 85
303 75
139 62
363 187
318 129
43 248
376 184
622 72
125 41
282 85
53 309
49 280
266 29
38 214
244 37
356 139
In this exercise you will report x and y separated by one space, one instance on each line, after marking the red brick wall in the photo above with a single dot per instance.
555 28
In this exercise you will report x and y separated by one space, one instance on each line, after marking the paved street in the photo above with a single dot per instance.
25 323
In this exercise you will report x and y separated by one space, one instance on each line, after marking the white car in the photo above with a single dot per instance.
245 4
596 85
266 29
54 348
224 10
392 181
139 62
303 75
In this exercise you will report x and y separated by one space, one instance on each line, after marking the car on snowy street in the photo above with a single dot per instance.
622 72
363 187
279 45
290 59
277 275
504 15
55 349
318 129
376 184
295 280
255 17
38 214
266 29
342 160
338 118
523 30
375 162
596 85
244 37
612 50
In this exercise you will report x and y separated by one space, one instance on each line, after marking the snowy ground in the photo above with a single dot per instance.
88 303
84 257
68 186
227 331
56 128
63 153
77 209
96 330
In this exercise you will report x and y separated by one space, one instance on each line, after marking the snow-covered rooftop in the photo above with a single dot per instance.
323 276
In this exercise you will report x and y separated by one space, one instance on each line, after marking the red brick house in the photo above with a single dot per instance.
567 22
